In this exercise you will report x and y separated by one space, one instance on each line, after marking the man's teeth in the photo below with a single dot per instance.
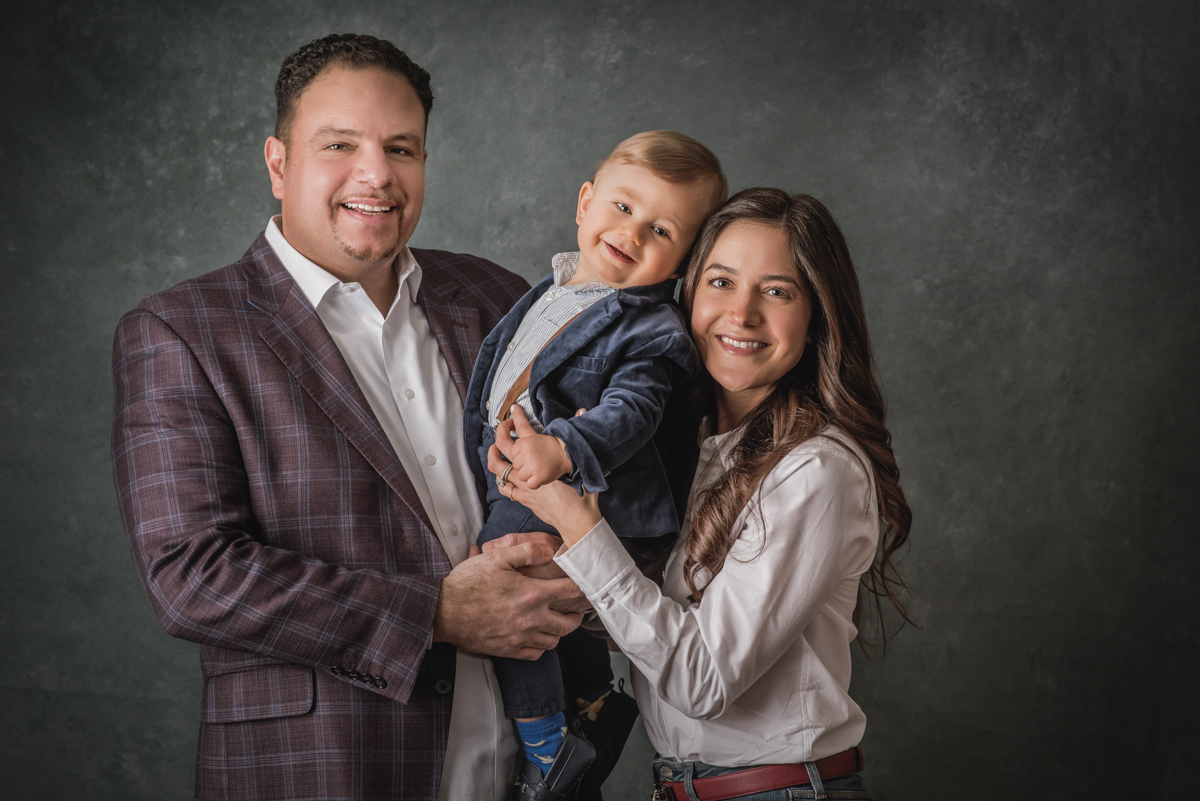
368 209
738 344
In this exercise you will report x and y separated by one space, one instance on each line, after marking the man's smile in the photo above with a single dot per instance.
373 208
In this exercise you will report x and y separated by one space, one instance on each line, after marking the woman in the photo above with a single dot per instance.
742 659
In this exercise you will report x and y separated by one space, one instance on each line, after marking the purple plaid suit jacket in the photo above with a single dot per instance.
271 522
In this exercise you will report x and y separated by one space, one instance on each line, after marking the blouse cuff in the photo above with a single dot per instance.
597 561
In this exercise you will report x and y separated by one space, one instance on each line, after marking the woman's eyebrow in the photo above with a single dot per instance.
721 268
789 279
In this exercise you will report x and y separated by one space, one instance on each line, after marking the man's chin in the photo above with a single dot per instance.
372 252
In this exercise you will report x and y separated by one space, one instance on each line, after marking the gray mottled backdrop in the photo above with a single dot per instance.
1018 183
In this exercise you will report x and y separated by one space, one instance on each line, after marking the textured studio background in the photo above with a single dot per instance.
1018 183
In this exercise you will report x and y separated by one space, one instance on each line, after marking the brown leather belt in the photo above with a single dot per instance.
765 777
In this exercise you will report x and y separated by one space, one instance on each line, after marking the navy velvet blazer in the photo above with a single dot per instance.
619 360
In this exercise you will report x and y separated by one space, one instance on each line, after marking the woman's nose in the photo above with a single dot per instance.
742 309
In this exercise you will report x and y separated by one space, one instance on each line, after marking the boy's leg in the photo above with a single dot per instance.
587 673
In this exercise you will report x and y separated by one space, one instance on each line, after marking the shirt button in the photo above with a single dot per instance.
408 393
549 296
488 406
511 345
454 530
430 459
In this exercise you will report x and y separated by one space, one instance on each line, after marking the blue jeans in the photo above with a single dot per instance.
846 787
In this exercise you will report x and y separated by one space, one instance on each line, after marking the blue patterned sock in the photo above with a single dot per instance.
542 739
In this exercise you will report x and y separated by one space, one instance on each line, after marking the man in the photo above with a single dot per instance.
288 458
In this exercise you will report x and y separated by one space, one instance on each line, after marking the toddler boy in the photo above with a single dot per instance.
601 333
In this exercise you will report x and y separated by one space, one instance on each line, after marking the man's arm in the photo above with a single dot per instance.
185 500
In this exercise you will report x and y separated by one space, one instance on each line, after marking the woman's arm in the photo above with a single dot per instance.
815 536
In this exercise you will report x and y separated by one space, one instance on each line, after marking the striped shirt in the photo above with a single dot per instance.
544 319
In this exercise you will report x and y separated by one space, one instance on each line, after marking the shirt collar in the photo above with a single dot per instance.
315 281
723 444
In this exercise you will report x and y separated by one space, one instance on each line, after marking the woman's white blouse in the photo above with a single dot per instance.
759 671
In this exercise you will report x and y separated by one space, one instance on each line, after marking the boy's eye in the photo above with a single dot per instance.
623 208
659 230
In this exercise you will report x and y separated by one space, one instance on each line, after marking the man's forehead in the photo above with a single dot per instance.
346 99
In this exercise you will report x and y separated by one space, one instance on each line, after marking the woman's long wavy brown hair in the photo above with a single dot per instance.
833 384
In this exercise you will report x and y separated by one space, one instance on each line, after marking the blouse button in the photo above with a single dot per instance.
430 459
408 393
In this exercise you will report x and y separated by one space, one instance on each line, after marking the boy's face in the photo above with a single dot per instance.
634 227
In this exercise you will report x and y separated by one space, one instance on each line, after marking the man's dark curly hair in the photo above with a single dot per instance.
341 49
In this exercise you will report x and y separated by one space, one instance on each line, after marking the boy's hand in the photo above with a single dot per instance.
537 459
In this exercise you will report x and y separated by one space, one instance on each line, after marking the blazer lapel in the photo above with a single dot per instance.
299 338
456 328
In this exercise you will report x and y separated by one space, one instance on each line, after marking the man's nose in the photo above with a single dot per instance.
372 167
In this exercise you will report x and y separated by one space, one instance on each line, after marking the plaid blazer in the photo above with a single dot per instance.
271 522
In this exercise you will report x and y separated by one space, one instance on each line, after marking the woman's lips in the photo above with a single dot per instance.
617 254
738 346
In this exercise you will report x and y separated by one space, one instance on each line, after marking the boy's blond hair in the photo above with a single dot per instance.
674 157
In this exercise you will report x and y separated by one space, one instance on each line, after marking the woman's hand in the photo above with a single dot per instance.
550 570
555 503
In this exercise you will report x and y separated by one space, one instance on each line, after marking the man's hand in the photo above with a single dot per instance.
537 459
550 570
488 607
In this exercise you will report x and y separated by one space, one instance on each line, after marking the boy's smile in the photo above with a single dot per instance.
634 227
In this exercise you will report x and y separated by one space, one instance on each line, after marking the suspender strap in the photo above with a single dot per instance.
522 382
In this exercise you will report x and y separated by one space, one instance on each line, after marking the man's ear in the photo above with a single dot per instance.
275 153
585 199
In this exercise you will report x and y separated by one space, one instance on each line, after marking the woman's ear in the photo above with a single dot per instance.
585 200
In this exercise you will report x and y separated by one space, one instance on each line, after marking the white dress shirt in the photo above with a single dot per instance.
398 366
758 671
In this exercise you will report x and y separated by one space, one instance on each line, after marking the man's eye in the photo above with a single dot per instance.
336 146
401 151
623 208
660 231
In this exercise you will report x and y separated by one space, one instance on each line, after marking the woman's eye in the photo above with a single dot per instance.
777 292
623 208
660 231
719 283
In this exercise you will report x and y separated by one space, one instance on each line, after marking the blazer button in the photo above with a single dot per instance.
443 686
337 670
352 674
381 682
366 678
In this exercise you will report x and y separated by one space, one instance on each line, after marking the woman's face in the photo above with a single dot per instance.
750 313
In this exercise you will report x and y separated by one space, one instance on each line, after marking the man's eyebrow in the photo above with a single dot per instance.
330 130
349 133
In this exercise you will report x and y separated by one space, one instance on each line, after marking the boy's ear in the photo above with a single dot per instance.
585 199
